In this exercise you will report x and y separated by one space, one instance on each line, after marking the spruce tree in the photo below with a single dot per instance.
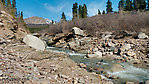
109 8
121 5
147 4
135 4
84 11
14 9
4 2
8 3
131 5
80 11
142 5
21 16
75 10
63 17
128 5
99 12
103 12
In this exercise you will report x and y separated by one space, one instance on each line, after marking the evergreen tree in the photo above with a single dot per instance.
52 22
99 12
4 2
109 8
75 10
147 4
80 11
135 4
84 11
21 16
142 4
131 5
14 9
103 12
128 6
63 17
139 4
13 3
8 4
121 5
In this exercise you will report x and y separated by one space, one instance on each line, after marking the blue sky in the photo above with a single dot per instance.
52 9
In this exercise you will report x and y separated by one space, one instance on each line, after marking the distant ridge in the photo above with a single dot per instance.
37 20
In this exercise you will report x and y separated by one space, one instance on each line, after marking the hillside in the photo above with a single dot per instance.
133 21
37 20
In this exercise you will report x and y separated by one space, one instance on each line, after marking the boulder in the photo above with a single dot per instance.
97 54
77 31
106 35
34 42
142 36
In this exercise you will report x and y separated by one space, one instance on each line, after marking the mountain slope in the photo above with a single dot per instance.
37 20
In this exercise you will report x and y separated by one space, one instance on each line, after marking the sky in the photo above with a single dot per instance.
52 9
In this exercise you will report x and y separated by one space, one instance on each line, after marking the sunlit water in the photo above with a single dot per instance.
130 73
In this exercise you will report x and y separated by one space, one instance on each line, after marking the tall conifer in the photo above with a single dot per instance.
109 8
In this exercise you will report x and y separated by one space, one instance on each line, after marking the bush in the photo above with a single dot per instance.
130 21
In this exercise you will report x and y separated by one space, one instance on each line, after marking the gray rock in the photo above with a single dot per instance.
91 55
131 53
147 82
77 31
142 36
1 73
1 24
97 54
34 42
125 47
106 35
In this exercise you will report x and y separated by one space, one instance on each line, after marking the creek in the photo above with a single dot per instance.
104 66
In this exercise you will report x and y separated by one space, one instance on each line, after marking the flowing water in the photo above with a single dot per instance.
129 72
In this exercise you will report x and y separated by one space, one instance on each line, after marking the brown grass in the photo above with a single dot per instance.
132 21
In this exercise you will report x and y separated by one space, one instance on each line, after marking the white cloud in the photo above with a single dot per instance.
69 14
94 6
57 8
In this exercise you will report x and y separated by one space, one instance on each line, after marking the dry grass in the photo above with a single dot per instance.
132 21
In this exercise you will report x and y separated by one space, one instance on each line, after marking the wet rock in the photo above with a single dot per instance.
34 42
99 54
77 31
117 68
142 36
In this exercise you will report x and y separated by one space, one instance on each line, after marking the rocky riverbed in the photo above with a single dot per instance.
125 47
